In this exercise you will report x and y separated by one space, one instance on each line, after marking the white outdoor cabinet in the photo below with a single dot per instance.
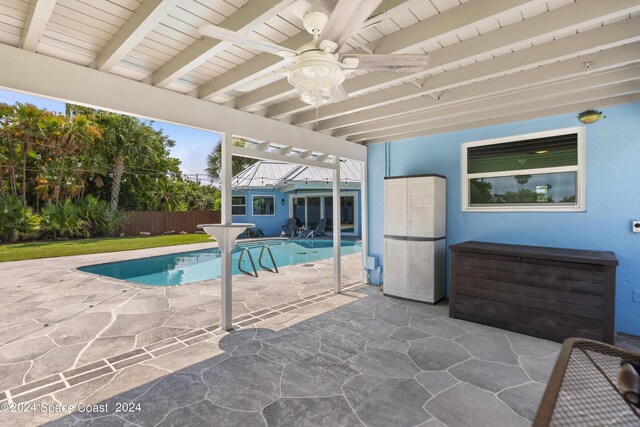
414 237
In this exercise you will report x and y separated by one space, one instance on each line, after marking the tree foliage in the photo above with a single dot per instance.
238 164
70 175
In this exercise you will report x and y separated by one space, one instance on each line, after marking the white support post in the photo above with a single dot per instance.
337 260
364 220
226 276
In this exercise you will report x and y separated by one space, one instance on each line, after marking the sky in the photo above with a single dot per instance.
192 145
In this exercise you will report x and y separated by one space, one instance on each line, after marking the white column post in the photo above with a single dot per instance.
337 267
226 277
364 220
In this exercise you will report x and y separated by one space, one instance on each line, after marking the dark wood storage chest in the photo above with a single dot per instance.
550 293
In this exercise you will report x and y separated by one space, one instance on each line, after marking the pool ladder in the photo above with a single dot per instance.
253 265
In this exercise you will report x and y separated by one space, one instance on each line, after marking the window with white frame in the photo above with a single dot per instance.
544 171
239 205
264 205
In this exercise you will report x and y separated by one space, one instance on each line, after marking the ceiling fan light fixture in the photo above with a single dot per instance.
316 78
314 22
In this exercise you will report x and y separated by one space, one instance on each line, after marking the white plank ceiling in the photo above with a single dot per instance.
491 61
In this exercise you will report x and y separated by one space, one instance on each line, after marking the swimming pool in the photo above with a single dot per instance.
195 266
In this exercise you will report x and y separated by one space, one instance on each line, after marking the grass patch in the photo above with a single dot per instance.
34 250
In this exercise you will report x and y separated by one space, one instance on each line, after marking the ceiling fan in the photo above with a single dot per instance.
317 71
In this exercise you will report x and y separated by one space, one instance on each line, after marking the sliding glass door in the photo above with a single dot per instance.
299 209
309 209
314 212
347 213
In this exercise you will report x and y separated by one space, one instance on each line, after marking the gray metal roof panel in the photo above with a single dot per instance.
275 174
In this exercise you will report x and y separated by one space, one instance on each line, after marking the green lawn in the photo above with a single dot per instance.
33 250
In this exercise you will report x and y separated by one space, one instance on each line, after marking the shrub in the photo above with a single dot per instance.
88 217
95 213
253 232
100 219
17 222
63 220
116 220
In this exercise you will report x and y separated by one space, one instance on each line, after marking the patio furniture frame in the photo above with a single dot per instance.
583 390
319 230
290 228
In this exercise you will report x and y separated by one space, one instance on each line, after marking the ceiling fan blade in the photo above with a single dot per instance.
340 95
220 33
400 63
347 19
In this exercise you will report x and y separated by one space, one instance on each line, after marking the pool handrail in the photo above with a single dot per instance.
273 261
255 272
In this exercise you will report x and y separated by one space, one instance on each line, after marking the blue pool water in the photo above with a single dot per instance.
195 266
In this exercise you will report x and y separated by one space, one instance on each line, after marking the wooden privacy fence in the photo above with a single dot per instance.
158 223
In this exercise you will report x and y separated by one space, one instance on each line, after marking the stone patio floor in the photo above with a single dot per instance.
302 356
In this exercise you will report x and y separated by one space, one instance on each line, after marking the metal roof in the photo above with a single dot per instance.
263 174
277 174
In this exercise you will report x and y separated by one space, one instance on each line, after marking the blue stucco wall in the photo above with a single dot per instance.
272 225
613 196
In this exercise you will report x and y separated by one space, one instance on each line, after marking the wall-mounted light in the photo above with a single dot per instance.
590 116
282 202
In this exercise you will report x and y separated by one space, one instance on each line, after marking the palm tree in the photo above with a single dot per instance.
238 164
164 196
47 187
8 146
67 138
27 128
127 139
93 165
79 133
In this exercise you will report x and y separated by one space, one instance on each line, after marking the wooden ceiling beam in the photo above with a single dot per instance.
551 110
455 110
587 98
144 19
246 19
38 15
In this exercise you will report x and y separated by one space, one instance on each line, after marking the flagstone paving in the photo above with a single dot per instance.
319 370
301 355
